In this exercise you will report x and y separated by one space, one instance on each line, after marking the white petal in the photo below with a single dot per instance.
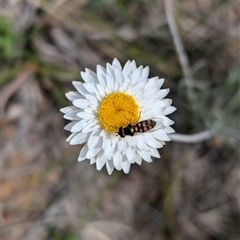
151 114
161 135
69 126
122 145
151 83
140 141
79 86
117 160
161 103
93 160
94 139
114 140
81 103
116 64
73 115
91 99
91 88
110 82
107 141
125 86
169 110
154 152
144 155
135 89
167 121
138 159
127 68
118 75
79 125
68 109
103 133
85 77
130 155
110 70
162 93
139 94
109 152
145 73
150 92
79 138
101 75
89 76
89 127
169 130
151 141
73 95
71 137
101 90
85 115
83 153
101 160
126 166
110 167
160 82
116 86
99 143
92 152
92 76
136 75
132 142
133 66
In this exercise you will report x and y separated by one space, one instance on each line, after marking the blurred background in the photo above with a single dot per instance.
192 192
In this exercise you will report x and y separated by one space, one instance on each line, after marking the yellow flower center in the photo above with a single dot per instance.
116 110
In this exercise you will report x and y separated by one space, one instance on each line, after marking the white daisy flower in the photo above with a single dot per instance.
106 109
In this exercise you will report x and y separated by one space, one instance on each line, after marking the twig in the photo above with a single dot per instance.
183 58
194 138
15 84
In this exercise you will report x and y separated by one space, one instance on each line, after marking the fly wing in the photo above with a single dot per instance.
158 124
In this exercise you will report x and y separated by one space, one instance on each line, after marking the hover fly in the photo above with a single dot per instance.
140 127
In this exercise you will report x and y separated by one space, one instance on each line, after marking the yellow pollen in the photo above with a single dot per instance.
117 110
